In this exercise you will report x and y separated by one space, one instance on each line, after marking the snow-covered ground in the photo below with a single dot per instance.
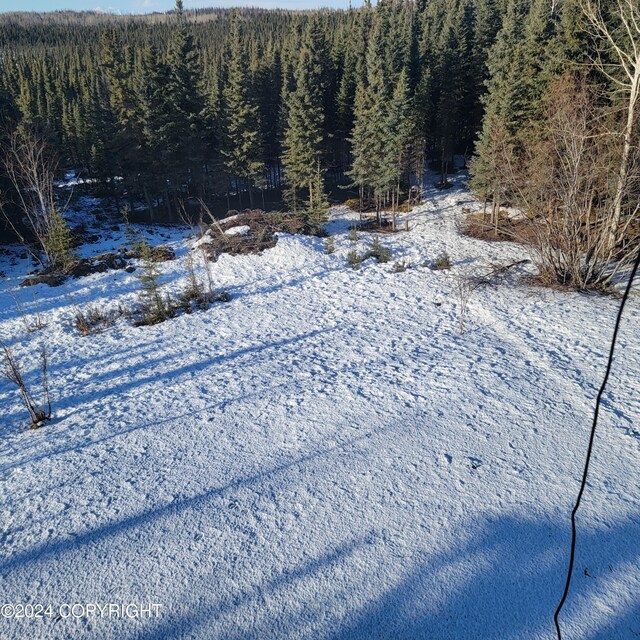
324 456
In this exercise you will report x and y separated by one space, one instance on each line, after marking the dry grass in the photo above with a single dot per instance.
507 229
93 319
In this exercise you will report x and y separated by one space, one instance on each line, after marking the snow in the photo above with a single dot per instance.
240 230
325 456
230 218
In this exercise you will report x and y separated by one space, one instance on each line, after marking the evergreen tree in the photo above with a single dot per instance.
242 146
452 71
156 110
156 126
520 69
269 89
304 134
8 111
8 118
399 135
185 105
486 27
500 120
370 133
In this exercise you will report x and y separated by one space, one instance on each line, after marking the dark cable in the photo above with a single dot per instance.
591 439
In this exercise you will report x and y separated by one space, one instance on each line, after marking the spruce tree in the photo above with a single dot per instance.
304 133
452 71
399 133
156 150
185 105
8 117
486 26
155 101
370 138
242 146
500 120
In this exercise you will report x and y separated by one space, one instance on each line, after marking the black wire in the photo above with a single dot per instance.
591 439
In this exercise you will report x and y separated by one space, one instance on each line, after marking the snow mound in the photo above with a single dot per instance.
324 456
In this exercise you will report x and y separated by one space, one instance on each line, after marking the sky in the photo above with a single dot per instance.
144 6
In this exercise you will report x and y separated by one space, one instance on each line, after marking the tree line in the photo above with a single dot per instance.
159 109
203 103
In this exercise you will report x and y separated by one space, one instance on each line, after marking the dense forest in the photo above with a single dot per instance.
165 109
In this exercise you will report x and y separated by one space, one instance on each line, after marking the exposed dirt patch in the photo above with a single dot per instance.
507 229
369 208
52 279
252 231
98 264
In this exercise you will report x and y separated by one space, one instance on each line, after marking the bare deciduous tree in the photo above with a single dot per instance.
619 60
31 168
563 182
581 212
38 413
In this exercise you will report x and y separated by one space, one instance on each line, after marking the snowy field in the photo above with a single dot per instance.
324 456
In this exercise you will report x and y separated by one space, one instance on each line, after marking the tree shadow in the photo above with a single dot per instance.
505 581
91 537
173 373
102 392
495 577
92 441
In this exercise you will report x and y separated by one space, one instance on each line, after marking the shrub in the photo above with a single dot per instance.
379 251
194 291
353 234
354 259
443 261
406 206
469 281
400 266
31 323
353 204
92 320
38 412
58 242
154 308
133 237
330 245
497 225
194 296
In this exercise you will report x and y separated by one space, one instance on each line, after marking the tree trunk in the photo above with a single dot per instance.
394 202
494 213
623 171
167 204
148 201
